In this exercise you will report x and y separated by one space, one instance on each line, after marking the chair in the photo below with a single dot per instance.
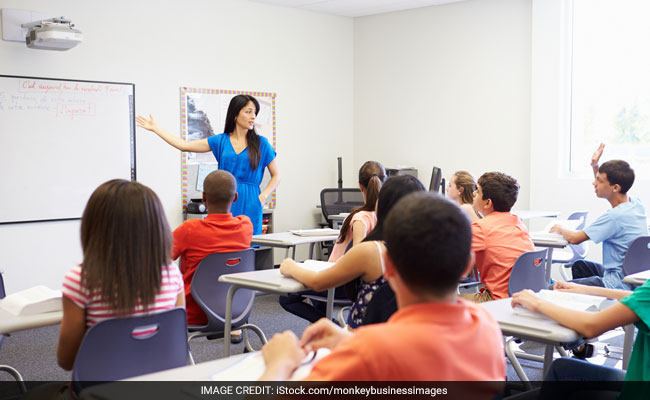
210 295
637 258
336 201
574 252
528 272
120 348
10 370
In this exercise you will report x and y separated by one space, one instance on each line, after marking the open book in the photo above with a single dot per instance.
316 232
571 224
573 301
36 300
251 367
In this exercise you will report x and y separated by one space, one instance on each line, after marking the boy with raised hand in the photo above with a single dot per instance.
218 232
498 238
433 336
616 229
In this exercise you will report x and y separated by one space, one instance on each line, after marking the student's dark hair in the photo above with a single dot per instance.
371 176
393 190
252 139
428 238
219 187
618 172
465 181
501 188
126 242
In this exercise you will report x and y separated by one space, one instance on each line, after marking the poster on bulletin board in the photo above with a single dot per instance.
203 114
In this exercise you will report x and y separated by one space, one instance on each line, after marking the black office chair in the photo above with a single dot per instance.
336 201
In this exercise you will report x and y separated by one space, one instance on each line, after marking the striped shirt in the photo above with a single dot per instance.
97 310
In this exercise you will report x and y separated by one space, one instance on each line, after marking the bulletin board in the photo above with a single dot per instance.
203 114
59 140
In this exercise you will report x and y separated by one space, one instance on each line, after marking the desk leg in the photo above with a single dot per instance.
627 344
286 252
293 253
227 324
549 264
330 303
311 250
548 357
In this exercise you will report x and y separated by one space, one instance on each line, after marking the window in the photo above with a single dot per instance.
609 90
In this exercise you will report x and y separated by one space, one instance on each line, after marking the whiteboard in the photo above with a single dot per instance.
59 140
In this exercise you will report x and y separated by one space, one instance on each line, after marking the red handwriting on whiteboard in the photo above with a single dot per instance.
73 111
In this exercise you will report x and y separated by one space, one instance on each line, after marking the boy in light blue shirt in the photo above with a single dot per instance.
616 229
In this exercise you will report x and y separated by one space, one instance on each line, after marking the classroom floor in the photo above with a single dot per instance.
33 352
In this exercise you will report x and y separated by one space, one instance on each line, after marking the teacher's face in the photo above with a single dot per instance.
246 117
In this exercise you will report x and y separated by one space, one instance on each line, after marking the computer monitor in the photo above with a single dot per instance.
436 179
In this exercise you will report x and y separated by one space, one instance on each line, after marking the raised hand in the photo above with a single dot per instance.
595 158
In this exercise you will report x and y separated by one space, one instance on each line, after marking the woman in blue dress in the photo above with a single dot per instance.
239 150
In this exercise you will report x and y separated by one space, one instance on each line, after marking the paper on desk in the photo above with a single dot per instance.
315 232
316 265
251 368
35 300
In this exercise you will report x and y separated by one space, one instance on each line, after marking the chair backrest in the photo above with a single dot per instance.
528 272
579 215
120 348
210 294
637 258
336 201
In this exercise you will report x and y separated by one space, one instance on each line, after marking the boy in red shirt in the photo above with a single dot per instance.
219 232
441 337
498 238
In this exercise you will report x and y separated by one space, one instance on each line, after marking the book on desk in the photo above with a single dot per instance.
35 300
572 301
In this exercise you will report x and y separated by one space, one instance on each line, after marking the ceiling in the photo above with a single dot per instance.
355 8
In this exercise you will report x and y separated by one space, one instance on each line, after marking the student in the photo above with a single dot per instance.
362 262
632 308
126 243
499 238
219 232
239 150
354 229
363 219
617 228
434 336
461 189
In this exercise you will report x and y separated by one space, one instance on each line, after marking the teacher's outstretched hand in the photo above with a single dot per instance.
195 146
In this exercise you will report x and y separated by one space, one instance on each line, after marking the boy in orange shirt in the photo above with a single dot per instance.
498 238
442 337
219 232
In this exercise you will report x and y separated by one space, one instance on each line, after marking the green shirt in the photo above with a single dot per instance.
639 301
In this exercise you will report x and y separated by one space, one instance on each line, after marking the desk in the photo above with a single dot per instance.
12 323
637 279
288 241
268 280
540 330
550 242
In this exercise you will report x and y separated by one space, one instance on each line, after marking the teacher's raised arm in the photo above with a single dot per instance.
195 146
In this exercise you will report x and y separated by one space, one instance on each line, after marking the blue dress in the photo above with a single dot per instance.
248 180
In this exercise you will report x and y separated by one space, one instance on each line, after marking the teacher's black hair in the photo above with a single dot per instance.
252 139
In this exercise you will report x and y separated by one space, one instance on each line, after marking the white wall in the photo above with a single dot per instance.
447 86
306 58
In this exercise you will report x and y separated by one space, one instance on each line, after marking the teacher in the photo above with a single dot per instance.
239 150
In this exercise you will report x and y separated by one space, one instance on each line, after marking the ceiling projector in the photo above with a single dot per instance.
53 34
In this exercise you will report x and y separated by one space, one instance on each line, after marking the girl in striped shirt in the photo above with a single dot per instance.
126 268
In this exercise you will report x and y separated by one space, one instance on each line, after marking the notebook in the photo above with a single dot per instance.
572 301
316 232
